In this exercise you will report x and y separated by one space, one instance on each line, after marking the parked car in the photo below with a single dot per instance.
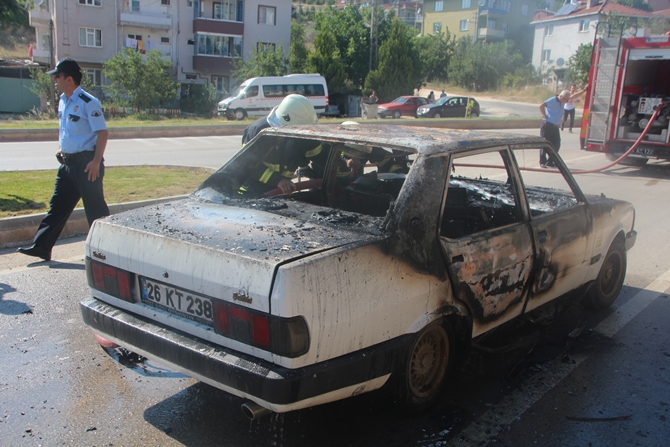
343 287
402 106
448 107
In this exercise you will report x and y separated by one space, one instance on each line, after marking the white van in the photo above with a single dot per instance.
257 96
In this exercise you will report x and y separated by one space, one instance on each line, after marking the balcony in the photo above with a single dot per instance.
491 34
213 63
39 16
43 56
202 25
146 20
492 12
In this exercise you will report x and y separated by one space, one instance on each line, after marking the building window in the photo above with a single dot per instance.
95 75
465 4
189 3
90 37
491 24
216 45
90 2
46 44
135 36
505 28
584 26
266 15
439 6
464 25
135 5
265 46
165 40
225 10
221 85
549 30
546 55
165 2
437 27
524 10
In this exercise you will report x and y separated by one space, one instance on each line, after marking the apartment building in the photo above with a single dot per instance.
487 20
201 38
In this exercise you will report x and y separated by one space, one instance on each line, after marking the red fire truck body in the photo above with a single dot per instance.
628 80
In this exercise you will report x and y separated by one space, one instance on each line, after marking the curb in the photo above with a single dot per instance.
238 129
20 230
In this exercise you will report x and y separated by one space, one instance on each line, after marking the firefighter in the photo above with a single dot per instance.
280 164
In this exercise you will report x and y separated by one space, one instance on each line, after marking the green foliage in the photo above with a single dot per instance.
435 51
42 83
327 61
12 13
637 4
198 98
263 62
579 65
352 39
399 71
521 77
140 81
478 66
298 52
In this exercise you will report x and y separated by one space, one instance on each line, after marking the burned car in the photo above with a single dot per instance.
359 280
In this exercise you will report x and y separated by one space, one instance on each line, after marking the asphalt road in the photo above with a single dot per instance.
607 386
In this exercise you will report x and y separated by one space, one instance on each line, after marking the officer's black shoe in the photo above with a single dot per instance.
36 251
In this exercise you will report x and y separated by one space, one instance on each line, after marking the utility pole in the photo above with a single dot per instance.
373 36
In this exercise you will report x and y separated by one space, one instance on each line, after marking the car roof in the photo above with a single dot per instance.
420 140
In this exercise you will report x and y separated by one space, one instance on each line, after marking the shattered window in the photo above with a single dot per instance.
481 195
547 189
343 176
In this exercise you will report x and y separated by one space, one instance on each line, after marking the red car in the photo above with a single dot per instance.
403 105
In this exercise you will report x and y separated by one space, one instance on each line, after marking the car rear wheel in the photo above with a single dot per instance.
396 114
610 279
424 374
239 114
437 115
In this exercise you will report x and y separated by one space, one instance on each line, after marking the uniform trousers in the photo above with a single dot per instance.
71 185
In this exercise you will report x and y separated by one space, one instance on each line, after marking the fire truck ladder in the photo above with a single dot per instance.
606 73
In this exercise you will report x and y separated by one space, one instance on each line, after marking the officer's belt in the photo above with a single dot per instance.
77 157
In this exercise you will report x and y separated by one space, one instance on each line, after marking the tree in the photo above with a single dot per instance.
198 98
435 51
327 61
263 62
44 85
139 81
298 52
478 66
11 13
399 71
637 4
579 65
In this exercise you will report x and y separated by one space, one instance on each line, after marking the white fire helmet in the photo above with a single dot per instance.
294 110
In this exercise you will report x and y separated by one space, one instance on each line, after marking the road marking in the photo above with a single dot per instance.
146 142
480 432
175 141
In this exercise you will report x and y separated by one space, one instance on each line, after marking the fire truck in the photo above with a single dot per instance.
628 80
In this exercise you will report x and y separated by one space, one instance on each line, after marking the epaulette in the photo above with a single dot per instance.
84 97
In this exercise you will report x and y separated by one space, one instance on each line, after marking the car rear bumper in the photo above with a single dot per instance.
271 386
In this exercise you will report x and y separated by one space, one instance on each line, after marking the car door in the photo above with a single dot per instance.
451 108
561 222
485 236
410 106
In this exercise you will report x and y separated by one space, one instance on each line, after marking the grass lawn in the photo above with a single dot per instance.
28 192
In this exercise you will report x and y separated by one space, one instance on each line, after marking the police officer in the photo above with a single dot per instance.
82 139
278 168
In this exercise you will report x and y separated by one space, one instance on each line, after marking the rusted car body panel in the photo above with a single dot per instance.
363 284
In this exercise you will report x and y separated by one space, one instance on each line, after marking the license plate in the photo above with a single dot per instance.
643 151
177 301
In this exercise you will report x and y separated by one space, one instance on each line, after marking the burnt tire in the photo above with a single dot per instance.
423 375
610 278
396 114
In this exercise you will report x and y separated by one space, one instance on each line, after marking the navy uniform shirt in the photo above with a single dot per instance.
80 119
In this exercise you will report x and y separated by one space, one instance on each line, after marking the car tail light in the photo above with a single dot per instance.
108 279
287 337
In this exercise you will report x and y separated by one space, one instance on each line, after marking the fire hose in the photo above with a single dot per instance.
618 160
